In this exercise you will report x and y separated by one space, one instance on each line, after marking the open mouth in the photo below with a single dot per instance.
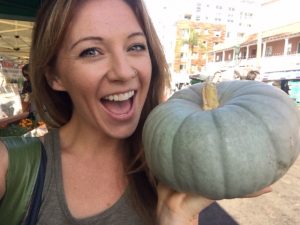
118 104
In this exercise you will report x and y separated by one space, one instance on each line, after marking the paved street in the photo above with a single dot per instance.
281 207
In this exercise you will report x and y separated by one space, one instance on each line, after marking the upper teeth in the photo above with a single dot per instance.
120 97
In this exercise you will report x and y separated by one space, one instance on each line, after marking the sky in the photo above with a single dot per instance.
165 13
167 10
277 14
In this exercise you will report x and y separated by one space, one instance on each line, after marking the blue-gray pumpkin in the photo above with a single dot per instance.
245 144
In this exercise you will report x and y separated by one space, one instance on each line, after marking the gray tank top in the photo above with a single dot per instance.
54 209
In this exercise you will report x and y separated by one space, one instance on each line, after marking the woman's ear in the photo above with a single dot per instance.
54 81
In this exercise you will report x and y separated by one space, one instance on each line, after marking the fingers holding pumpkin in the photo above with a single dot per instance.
265 190
179 208
176 208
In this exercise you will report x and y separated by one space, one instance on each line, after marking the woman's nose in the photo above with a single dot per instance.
121 68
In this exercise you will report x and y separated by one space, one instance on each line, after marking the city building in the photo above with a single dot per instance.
271 56
194 40
274 47
272 50
238 15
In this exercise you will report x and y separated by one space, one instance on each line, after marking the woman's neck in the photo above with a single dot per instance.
88 160
82 139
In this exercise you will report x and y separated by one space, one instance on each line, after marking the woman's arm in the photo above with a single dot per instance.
176 208
3 168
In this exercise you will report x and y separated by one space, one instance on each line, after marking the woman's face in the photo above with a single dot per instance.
105 67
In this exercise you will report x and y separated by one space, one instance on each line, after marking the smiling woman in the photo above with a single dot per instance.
95 77
97 70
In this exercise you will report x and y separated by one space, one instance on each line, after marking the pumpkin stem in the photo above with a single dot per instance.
209 95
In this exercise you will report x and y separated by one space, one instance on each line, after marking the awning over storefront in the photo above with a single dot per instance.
19 9
281 75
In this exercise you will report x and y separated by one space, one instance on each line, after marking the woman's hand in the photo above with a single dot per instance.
176 208
258 193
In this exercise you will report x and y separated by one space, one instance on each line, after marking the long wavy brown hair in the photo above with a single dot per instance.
56 108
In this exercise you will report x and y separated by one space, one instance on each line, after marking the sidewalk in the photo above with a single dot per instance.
280 207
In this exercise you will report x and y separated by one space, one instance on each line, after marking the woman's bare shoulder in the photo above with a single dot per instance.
3 167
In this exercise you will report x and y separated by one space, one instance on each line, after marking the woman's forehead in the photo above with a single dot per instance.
102 19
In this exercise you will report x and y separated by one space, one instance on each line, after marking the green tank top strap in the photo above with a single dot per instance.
24 162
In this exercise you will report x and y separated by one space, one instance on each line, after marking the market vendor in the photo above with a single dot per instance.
26 85
26 90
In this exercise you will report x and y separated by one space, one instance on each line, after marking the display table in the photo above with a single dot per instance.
5 121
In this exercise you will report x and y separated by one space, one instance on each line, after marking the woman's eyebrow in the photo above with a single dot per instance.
99 39
89 38
136 34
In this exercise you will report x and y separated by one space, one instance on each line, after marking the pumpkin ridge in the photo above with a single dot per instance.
187 95
156 155
225 91
263 88
269 132
248 110
231 89
161 115
195 91
223 156
178 180
227 155
243 89
149 155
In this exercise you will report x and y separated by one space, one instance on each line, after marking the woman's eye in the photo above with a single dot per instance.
90 52
137 48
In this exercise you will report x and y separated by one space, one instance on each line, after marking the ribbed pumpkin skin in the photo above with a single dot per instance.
248 143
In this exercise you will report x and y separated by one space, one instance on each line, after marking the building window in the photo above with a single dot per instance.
240 35
185 47
185 34
197 30
217 33
187 16
244 54
195 55
289 48
253 53
298 48
269 51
